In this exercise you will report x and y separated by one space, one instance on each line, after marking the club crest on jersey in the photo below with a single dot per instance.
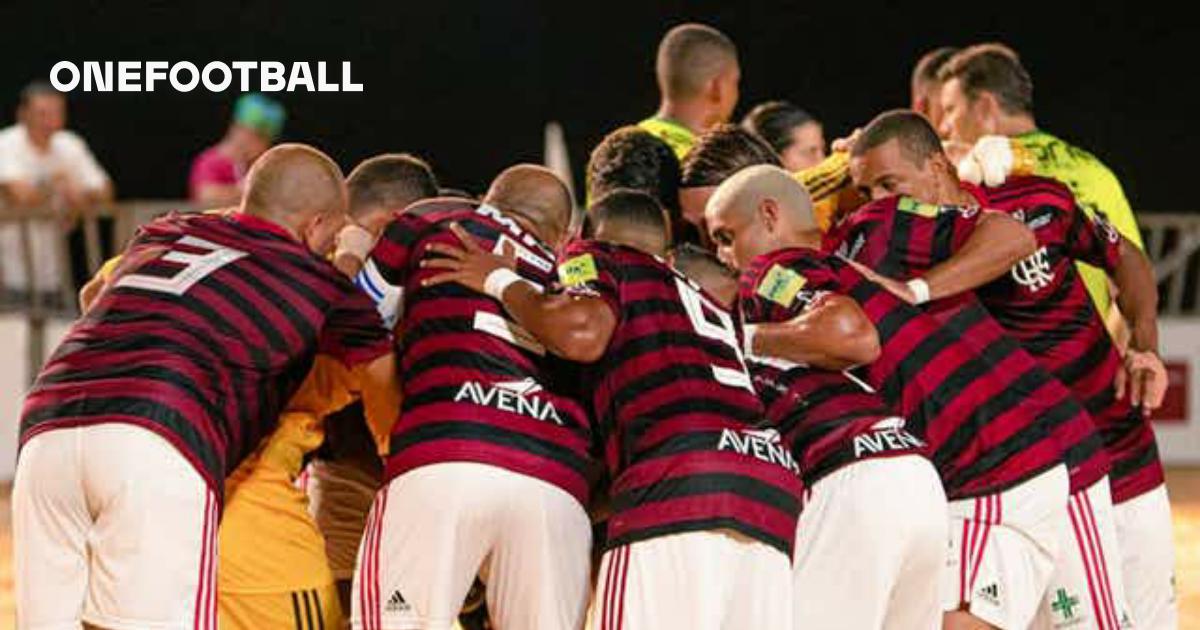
578 270
1034 273
513 396
761 444
781 285
886 435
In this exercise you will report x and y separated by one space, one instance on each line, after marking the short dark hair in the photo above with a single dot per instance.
774 121
993 68
634 158
917 138
689 257
35 89
930 64
689 56
722 151
391 180
634 208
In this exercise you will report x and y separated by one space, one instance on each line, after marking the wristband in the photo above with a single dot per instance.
499 280
920 290
748 332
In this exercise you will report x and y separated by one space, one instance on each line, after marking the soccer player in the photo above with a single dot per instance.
704 495
726 149
698 75
1044 304
985 414
488 464
719 153
793 133
985 91
633 158
346 471
925 89
870 486
181 365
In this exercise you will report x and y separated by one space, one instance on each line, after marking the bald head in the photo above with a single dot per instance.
750 187
758 210
689 57
536 194
301 189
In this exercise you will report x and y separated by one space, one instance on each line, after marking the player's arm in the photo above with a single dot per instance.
1137 296
572 326
833 334
989 249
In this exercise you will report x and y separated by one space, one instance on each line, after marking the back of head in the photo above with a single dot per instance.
689 56
389 182
633 158
916 136
292 184
925 73
722 151
536 194
751 187
993 68
774 121
630 217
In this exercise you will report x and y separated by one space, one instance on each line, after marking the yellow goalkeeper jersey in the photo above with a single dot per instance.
1095 188
679 138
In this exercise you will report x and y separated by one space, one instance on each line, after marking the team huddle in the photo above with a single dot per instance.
874 391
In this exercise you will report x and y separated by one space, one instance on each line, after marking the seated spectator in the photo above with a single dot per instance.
44 165
217 173
795 135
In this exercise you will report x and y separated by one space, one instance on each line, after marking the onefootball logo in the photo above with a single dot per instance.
185 76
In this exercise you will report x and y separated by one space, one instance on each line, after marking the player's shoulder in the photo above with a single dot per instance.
1031 190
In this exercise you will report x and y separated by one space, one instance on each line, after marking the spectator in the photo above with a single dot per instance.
795 135
217 173
44 165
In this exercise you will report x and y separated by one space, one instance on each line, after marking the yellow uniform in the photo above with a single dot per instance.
1094 185
679 138
829 185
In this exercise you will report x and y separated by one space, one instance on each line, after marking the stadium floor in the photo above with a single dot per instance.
1183 484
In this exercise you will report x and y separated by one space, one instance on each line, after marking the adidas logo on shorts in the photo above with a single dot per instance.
989 593
396 603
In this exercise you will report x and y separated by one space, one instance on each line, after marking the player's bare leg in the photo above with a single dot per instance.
963 620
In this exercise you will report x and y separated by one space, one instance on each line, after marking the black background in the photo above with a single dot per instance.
470 85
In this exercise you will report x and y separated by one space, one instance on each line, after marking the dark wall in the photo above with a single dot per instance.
470 85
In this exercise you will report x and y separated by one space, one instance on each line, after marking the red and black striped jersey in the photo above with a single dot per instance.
986 431
684 434
1044 303
476 386
902 238
829 418
206 340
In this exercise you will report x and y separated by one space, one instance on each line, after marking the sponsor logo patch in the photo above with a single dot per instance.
780 285
578 270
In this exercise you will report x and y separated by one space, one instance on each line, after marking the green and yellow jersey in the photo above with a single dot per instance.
679 138
1095 188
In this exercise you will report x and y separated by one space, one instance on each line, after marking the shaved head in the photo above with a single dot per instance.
299 188
691 55
536 194
758 210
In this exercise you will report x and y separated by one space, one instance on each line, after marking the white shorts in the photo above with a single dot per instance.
871 547
706 580
1148 559
112 526
434 528
339 496
1086 591
1003 548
